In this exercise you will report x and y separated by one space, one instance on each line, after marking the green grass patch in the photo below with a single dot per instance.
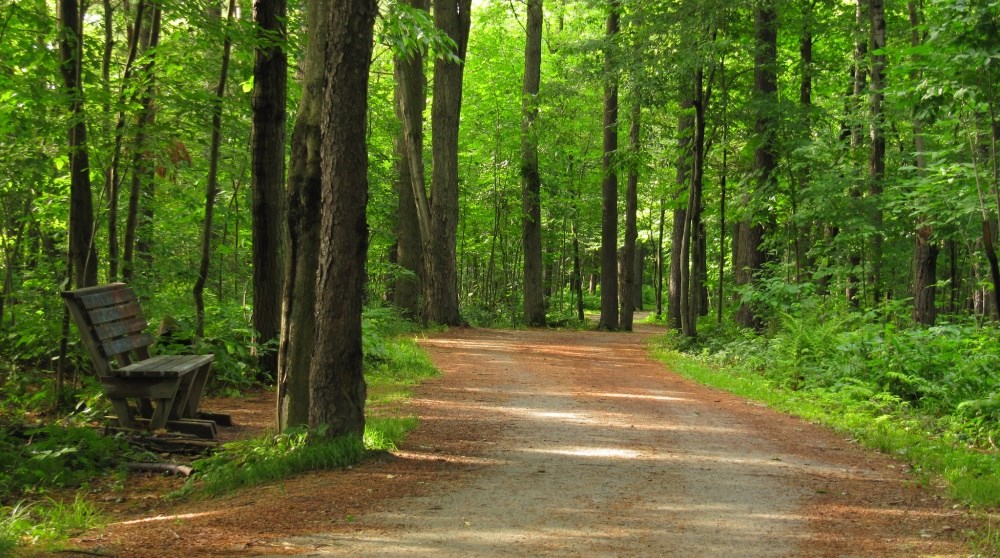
973 476
44 523
393 366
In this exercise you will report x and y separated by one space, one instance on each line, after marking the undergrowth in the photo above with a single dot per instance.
394 364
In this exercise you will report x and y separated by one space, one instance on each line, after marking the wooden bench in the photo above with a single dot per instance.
166 389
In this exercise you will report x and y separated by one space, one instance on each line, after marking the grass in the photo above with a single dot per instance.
43 523
399 366
972 477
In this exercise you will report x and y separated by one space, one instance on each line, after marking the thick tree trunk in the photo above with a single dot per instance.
302 238
337 385
267 145
212 182
452 17
531 184
751 257
82 253
631 229
609 185
411 86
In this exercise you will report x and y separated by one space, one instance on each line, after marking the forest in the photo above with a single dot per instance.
805 190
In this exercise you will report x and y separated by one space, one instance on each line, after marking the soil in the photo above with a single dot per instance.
559 443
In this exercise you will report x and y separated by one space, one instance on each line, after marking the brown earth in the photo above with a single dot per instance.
559 443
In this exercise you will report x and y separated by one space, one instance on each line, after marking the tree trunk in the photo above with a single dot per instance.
859 79
139 229
411 86
82 253
631 230
659 258
337 385
531 184
212 183
302 240
876 165
267 177
441 280
609 185
925 249
750 257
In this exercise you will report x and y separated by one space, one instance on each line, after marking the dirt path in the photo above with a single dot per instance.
557 443
600 453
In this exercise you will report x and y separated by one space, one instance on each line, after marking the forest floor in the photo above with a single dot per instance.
559 443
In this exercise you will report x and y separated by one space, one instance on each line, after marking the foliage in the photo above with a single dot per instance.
44 522
927 395
55 455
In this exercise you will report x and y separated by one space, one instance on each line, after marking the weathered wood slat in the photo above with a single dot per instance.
121 345
107 298
165 365
125 311
121 328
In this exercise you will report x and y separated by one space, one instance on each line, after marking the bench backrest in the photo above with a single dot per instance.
111 325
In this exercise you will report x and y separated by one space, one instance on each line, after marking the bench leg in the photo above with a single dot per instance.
198 381
162 413
123 412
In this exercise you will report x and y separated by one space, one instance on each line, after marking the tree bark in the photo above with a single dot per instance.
411 86
212 182
876 164
631 230
925 249
337 385
859 79
302 238
452 17
531 184
267 178
750 257
139 228
609 184
82 253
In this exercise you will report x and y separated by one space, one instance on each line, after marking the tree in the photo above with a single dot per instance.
609 184
337 385
534 299
267 146
750 256
438 213
411 86
212 183
302 240
82 253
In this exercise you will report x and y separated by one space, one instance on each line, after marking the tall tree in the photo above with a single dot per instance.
82 253
212 183
876 162
411 86
337 385
534 299
302 237
631 276
609 183
925 248
438 213
267 147
750 256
